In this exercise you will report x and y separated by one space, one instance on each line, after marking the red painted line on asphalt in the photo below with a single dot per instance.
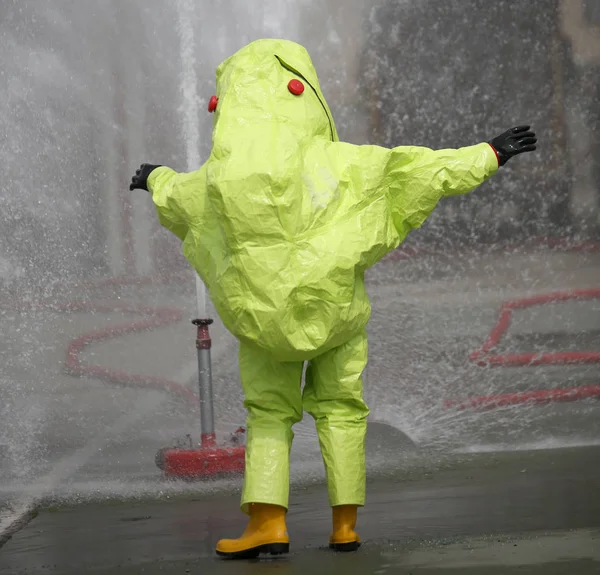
517 398
153 318
481 357
536 359
498 330
531 359
158 318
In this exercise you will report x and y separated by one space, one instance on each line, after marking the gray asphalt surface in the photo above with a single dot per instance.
520 512
77 439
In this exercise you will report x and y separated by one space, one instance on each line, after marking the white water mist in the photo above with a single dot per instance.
189 109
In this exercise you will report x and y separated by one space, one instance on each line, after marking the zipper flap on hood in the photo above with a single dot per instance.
313 83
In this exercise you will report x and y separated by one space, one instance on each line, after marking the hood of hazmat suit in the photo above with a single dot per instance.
282 220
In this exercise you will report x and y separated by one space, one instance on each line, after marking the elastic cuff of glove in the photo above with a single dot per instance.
156 171
497 155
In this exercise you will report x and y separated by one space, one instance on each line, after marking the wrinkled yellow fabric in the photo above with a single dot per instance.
333 395
281 223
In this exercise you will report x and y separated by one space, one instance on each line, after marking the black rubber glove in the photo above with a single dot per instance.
513 142
140 180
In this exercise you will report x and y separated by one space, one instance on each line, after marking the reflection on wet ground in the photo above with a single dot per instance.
514 512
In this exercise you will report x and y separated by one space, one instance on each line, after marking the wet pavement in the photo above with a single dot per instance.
515 512
428 317
87 438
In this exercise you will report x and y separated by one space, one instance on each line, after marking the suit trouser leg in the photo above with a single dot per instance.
274 402
333 395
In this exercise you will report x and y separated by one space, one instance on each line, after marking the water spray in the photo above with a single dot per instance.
208 460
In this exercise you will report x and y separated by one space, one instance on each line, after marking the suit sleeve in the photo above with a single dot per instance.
178 197
416 178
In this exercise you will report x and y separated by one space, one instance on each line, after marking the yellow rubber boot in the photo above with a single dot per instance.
343 537
266 532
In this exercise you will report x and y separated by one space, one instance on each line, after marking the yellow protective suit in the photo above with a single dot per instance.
281 223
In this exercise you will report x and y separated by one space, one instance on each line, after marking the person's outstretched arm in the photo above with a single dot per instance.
179 197
417 178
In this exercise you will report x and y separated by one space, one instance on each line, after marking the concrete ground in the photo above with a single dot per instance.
519 512
81 438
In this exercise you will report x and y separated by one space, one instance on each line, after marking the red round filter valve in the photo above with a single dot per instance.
296 87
